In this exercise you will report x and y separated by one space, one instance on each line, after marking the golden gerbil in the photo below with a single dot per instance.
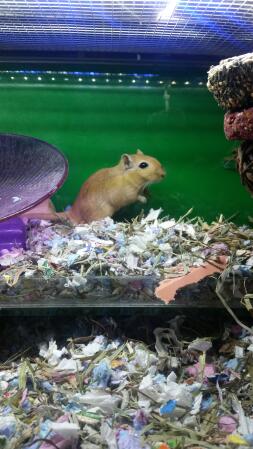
110 189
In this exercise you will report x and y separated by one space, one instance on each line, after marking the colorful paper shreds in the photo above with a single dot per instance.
78 397
145 249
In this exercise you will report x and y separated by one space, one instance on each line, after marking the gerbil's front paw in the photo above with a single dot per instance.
142 199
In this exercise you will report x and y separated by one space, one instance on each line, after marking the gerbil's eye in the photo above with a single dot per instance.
143 165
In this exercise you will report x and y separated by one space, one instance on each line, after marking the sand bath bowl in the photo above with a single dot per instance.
30 172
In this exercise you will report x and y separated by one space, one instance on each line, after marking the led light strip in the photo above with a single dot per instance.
95 78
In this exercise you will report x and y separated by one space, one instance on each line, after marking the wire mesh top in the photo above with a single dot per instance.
210 27
31 171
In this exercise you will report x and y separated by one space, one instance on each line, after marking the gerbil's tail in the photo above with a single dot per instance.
55 217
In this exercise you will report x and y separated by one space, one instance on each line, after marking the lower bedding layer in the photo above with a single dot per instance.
126 380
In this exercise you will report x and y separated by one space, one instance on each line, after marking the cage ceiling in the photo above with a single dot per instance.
210 27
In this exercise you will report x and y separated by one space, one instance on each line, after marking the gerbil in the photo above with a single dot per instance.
110 189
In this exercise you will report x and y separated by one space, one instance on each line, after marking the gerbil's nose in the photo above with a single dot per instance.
163 173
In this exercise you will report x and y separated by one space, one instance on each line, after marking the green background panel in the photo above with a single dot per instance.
94 126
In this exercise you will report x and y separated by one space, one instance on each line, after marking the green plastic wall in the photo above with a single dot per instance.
94 126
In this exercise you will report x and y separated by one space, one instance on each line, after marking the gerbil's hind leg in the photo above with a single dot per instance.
142 199
100 213
87 216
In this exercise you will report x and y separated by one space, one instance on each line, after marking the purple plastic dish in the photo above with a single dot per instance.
30 171
12 234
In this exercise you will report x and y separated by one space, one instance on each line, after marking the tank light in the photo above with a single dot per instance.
168 11
101 77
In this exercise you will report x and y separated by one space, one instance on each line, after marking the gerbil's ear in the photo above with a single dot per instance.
127 161
139 152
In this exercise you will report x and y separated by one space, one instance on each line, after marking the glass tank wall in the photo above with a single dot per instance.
94 118
78 75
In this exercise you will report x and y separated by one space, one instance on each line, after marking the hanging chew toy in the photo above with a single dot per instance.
244 163
239 125
231 83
